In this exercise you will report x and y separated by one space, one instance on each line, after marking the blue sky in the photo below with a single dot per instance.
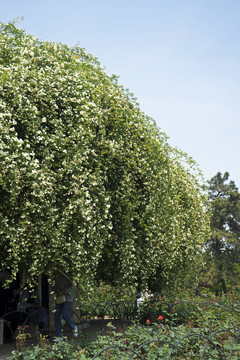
181 59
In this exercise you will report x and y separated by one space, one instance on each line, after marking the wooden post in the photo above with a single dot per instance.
51 310
40 288
23 276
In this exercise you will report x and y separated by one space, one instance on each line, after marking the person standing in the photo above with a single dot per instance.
64 291
30 303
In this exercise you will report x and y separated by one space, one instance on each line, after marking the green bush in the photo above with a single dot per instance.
181 329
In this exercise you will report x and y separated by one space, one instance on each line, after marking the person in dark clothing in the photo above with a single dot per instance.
30 303
64 288
8 306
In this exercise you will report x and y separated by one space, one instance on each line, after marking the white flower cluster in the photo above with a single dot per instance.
87 181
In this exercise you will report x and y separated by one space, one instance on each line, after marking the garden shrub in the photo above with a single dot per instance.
88 182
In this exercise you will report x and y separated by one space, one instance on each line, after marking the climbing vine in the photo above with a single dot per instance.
88 182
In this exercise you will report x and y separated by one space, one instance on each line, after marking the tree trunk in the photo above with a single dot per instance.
224 287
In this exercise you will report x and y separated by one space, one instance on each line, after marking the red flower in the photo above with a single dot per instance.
148 321
175 302
166 331
160 317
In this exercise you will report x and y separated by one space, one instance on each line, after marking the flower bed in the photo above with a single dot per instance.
164 330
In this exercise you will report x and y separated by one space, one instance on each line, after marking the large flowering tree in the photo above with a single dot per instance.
88 183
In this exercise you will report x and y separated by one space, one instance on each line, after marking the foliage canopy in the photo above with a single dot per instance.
88 183
224 245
